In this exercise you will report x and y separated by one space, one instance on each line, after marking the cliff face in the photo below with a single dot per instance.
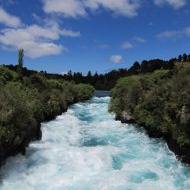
160 102
28 100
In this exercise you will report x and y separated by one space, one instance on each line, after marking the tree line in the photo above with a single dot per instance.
108 80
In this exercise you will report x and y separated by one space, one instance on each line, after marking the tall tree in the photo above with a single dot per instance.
184 57
135 69
20 57
179 58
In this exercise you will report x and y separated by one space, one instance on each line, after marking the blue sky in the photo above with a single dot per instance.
97 35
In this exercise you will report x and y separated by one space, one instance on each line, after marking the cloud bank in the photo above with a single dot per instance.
80 8
36 40
174 3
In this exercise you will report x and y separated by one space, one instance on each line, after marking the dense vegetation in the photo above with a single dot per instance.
108 80
159 101
28 98
154 94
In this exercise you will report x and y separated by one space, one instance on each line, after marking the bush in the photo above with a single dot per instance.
159 100
28 99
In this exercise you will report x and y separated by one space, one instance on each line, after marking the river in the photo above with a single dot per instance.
86 149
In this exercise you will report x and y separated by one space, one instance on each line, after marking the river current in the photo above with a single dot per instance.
86 149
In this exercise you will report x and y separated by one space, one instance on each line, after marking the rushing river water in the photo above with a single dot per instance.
86 149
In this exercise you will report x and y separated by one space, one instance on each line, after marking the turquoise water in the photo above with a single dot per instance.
86 149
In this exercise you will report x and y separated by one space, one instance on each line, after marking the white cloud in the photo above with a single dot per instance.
139 39
135 41
37 41
120 7
169 34
80 8
70 33
8 19
69 8
174 3
39 49
127 45
116 59
184 32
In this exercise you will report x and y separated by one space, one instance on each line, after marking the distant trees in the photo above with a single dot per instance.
184 58
179 58
108 80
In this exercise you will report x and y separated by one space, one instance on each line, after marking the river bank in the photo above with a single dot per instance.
14 148
29 98
182 154
158 102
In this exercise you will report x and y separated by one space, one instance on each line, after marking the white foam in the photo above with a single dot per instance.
86 149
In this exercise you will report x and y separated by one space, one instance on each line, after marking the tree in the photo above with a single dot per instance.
20 58
89 75
179 58
144 66
70 75
184 57
135 69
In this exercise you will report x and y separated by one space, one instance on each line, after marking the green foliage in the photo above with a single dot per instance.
16 117
83 91
129 91
159 100
7 75
28 99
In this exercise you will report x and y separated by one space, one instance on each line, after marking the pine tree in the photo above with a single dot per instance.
179 58
184 57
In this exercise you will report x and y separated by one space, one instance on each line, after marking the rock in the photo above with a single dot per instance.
125 117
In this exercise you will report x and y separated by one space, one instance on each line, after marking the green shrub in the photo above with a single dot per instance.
159 100
29 98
